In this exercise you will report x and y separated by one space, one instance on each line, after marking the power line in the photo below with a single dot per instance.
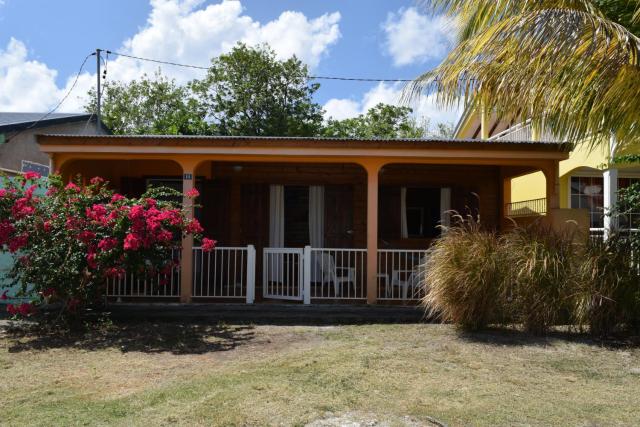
199 67
64 98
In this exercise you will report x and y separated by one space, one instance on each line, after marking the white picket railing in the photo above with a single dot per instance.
283 273
133 285
225 272
335 273
401 274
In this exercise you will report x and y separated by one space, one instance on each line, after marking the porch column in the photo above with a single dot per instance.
552 178
372 232
610 196
186 262
610 199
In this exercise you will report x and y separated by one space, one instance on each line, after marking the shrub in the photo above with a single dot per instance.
607 296
68 243
464 276
541 263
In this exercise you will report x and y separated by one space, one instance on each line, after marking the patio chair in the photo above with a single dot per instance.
331 274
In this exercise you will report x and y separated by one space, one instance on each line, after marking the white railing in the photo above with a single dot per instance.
335 273
401 274
140 286
225 272
522 132
283 273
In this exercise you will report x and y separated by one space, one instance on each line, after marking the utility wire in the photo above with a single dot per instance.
64 98
199 67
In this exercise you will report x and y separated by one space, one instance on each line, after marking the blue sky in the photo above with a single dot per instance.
42 43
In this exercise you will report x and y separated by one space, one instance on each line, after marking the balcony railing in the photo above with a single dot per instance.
523 132
534 207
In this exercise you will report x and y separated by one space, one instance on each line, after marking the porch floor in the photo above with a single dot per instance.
266 314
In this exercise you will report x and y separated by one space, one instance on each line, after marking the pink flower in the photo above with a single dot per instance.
107 244
18 243
97 213
4 295
117 272
194 227
86 236
91 260
116 198
96 180
3 192
31 175
21 208
6 230
11 309
131 242
208 245
151 203
46 226
51 191
193 193
72 187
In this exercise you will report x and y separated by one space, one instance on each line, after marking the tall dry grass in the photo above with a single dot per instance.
608 288
541 263
464 276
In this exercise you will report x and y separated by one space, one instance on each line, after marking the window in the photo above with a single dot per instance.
587 193
423 212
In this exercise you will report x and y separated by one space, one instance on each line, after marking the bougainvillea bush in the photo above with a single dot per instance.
68 243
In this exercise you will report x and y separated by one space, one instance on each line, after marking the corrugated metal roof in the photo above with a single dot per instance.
297 138
7 119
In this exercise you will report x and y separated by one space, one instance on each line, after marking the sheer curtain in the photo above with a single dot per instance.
404 229
276 230
445 206
316 227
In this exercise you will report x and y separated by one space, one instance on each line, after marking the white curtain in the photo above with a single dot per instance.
404 229
316 227
276 231
445 206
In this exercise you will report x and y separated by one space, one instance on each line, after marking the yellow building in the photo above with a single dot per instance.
586 180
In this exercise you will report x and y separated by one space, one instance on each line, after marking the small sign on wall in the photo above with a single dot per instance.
28 166
187 177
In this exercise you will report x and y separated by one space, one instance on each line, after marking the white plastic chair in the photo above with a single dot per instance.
336 275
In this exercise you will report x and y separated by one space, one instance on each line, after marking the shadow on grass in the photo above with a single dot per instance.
147 337
505 337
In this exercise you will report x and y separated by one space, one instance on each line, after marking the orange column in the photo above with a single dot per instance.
186 263
552 177
372 232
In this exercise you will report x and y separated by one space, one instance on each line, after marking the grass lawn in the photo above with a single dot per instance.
199 374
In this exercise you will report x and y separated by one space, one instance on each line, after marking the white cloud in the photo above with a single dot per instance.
423 108
413 38
182 31
25 85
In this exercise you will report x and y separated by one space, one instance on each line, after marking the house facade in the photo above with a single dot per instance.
310 219
19 151
587 180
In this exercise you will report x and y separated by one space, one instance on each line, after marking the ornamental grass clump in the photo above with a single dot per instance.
542 266
465 276
608 291
68 243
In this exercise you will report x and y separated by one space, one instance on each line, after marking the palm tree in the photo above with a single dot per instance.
570 65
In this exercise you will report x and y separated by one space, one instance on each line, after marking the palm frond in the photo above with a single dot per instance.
572 69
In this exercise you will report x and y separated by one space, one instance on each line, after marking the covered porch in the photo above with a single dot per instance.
308 220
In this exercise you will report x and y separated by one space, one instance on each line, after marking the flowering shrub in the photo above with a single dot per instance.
68 243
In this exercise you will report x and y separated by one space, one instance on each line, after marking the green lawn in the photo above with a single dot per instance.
170 374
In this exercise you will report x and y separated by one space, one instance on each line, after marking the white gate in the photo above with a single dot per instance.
283 273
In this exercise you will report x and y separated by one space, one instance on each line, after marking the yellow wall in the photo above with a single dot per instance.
532 186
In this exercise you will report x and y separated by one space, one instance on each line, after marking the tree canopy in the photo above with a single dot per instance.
248 91
570 65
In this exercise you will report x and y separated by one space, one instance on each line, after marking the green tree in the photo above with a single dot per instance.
250 92
381 121
151 106
571 65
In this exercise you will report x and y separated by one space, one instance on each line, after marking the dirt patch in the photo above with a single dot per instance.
356 419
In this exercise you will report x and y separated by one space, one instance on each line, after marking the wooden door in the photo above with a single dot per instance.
338 221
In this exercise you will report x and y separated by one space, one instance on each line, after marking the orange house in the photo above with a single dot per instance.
309 219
